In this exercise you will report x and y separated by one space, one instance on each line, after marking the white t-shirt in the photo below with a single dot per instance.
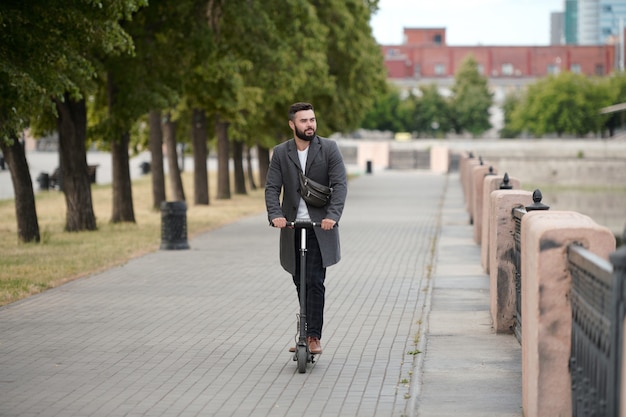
303 211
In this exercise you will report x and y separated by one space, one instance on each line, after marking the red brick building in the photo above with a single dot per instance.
424 54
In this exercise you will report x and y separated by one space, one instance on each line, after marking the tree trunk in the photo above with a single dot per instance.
123 210
240 178
263 155
72 127
156 156
200 154
250 168
223 158
25 210
176 183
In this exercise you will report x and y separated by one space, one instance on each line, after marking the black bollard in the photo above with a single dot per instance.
44 181
174 225
145 168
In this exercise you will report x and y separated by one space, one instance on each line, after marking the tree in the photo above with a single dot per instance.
25 210
150 81
564 104
156 152
471 99
200 154
382 114
616 85
432 117
285 69
355 63
45 53
72 128
172 158
511 103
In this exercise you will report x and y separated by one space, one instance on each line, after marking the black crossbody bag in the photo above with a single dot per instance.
314 193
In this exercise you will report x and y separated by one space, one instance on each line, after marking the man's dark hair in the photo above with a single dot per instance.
296 107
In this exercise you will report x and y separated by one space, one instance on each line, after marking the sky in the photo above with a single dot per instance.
468 22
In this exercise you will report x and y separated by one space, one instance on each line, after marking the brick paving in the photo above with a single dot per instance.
205 331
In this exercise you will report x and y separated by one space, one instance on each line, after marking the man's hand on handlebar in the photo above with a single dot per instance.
279 222
328 224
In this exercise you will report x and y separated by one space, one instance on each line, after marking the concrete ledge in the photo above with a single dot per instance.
546 310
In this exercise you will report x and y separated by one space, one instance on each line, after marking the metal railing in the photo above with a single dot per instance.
518 213
598 300
618 315
590 357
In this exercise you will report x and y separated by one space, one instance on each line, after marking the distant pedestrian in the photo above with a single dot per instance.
320 160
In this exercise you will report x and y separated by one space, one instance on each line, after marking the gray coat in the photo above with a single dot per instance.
325 166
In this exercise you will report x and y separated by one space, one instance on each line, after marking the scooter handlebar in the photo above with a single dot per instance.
299 224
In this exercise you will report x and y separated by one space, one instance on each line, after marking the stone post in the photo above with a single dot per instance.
439 159
476 198
546 310
466 164
501 256
491 183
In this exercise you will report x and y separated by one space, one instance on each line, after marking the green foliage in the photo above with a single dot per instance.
354 59
383 114
433 117
471 99
166 36
46 48
563 104
512 101
246 61
615 86
427 113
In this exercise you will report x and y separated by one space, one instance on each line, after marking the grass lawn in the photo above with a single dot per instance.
27 269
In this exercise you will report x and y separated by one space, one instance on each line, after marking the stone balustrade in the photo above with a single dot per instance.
546 313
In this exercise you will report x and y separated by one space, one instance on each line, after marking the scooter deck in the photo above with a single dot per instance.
293 350
313 357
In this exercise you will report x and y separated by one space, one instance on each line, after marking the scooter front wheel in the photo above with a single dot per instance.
302 356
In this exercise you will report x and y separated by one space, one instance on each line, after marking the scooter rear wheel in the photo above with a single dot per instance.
302 356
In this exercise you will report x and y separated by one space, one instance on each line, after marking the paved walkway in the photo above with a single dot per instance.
205 331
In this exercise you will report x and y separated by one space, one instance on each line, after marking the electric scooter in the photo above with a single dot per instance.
302 354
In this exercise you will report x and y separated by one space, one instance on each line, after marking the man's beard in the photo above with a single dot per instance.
302 136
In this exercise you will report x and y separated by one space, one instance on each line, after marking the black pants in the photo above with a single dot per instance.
315 275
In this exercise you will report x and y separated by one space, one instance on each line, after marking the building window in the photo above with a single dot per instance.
481 69
392 52
507 69
437 39
440 69
576 69
599 69
553 69
417 71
